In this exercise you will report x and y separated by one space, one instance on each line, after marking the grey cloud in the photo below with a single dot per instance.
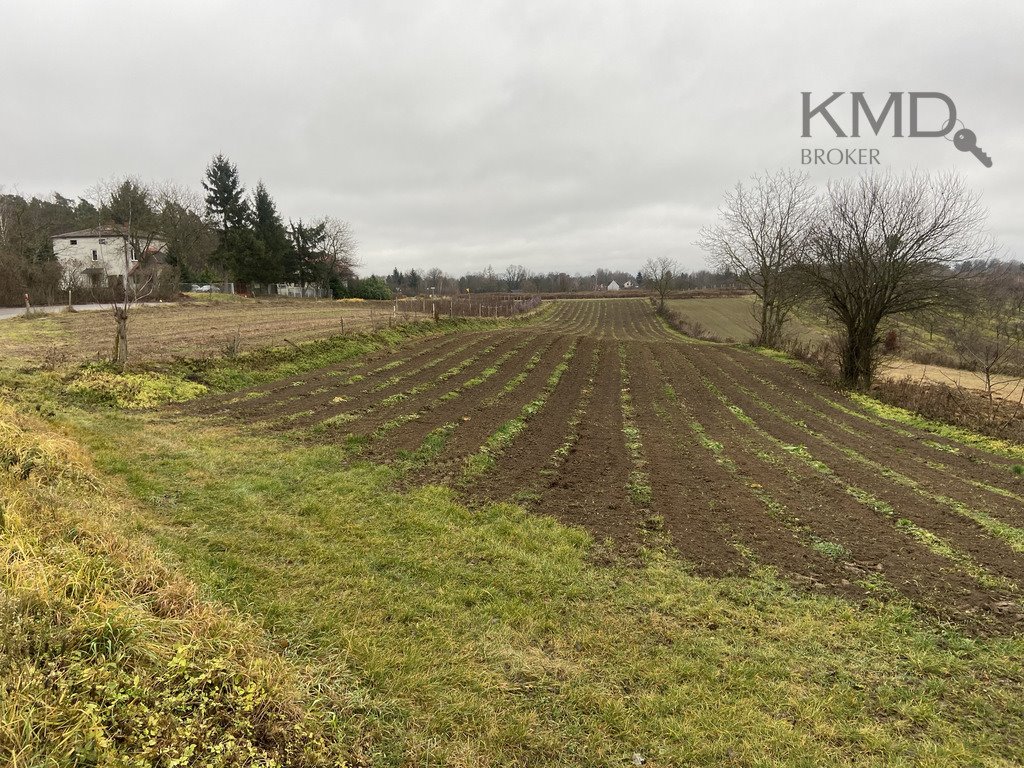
557 135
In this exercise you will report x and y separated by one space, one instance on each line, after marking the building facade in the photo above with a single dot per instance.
102 257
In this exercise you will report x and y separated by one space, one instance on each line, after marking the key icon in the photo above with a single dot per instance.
966 141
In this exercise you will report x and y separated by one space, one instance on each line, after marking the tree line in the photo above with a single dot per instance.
517 278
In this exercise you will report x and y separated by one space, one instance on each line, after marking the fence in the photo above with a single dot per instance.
484 305
282 290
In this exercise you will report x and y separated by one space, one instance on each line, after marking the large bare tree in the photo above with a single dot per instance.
515 276
761 235
191 241
886 245
658 274
436 280
339 248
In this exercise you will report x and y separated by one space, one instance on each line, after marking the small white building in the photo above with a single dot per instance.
98 257
613 286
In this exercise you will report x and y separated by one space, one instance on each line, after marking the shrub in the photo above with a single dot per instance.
959 407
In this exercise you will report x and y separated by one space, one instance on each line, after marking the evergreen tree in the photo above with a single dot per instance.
270 232
130 205
249 260
133 208
307 252
371 288
227 206
225 195
414 280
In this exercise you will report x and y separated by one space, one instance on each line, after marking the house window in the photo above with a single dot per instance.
103 241
95 255
74 242
135 257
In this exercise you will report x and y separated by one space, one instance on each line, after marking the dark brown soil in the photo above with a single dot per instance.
591 488
727 442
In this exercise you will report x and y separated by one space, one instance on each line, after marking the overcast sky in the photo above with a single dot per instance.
556 135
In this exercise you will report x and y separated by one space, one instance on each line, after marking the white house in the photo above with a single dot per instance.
98 257
613 286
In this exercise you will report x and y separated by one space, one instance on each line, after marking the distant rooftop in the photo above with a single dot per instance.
110 230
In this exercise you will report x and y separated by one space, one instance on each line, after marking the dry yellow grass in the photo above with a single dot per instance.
194 329
108 657
1007 388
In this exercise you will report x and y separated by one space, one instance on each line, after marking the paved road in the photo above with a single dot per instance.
6 313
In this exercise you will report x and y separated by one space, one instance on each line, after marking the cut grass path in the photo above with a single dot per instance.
486 637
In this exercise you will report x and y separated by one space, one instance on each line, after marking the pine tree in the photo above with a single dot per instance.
272 236
307 249
129 204
225 195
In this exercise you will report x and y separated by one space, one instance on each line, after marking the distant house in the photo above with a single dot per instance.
613 286
103 258
629 284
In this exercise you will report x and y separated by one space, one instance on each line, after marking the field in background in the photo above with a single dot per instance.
731 319
198 328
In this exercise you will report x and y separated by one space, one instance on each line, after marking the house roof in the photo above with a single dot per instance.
107 231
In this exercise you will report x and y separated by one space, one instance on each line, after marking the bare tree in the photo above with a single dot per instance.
761 236
515 274
191 241
339 247
658 273
130 206
989 337
886 245
436 279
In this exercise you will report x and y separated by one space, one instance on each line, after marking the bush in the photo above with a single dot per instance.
959 407
371 288
39 279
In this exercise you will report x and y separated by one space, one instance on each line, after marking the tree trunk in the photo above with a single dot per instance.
771 324
857 365
120 356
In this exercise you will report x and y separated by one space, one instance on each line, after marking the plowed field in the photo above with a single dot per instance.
602 417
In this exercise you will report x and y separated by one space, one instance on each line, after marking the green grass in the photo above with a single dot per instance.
732 317
486 636
898 415
108 657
